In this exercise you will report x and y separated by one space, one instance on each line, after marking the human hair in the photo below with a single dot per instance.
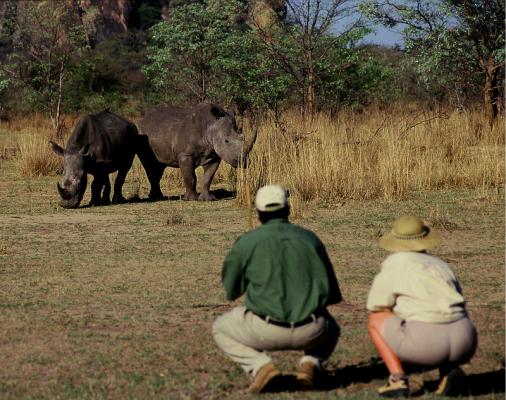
265 216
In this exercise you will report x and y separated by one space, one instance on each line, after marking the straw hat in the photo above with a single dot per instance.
409 233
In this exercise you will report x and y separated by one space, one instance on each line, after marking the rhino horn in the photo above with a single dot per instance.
248 146
65 195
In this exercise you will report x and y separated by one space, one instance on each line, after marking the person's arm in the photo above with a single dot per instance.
232 274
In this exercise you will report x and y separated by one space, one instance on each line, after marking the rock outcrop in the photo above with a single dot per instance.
103 18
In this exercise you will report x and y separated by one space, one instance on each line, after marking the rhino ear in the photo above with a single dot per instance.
217 112
88 157
56 148
85 150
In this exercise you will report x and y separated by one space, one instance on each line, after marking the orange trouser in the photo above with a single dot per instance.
375 326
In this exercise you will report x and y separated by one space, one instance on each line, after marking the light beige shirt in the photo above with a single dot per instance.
417 287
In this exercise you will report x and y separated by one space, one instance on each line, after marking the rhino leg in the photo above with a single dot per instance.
120 180
209 171
96 190
106 194
154 169
118 185
190 179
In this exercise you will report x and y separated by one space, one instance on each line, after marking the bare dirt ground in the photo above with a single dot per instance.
117 302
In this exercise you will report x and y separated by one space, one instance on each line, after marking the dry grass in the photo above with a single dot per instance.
118 302
36 157
379 154
27 140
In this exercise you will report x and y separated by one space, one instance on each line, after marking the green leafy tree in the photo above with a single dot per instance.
307 49
4 85
445 66
182 50
451 38
246 75
48 34
107 76
204 52
359 78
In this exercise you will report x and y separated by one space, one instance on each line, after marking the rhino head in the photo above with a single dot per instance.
74 176
228 141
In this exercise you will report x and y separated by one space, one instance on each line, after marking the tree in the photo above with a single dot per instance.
48 34
445 66
356 77
182 49
483 22
205 52
301 45
4 84
463 33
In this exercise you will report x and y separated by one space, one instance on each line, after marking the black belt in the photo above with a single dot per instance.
269 320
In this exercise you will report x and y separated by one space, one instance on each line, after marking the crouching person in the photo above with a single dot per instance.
288 280
417 311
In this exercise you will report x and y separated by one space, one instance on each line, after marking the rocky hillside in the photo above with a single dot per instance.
103 18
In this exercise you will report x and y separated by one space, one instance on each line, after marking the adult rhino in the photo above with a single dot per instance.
186 138
100 144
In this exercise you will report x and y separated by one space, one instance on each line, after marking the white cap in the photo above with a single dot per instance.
271 198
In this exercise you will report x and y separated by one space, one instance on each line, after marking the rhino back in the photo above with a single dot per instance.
174 132
107 137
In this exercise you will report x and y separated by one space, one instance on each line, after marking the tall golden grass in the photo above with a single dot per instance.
374 154
377 154
35 157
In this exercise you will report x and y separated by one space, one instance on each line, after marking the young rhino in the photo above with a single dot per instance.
100 144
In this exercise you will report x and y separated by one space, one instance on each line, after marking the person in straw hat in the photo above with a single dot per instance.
288 281
417 310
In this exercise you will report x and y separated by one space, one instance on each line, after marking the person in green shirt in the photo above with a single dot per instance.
288 281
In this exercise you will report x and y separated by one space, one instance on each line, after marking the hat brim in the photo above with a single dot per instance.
391 243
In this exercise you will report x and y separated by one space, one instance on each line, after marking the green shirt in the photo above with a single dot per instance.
284 270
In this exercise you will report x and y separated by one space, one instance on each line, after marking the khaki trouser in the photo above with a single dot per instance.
431 344
245 337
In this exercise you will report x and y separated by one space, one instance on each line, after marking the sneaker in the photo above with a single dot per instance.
263 377
308 374
453 383
395 388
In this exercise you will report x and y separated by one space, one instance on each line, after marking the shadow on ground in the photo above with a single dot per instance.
477 384
334 379
219 194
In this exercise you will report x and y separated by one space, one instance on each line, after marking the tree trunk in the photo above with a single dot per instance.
202 94
311 97
311 91
491 91
58 127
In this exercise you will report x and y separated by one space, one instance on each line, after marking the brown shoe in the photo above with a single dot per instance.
308 374
263 377
453 383
394 388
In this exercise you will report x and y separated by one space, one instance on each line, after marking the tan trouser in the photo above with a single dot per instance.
431 344
245 337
